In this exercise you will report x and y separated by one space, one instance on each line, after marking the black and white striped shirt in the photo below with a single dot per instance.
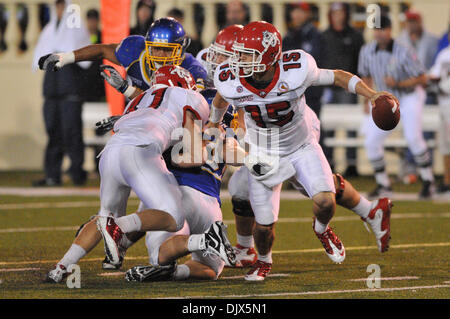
397 61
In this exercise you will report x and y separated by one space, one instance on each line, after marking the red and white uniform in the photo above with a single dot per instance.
132 157
277 114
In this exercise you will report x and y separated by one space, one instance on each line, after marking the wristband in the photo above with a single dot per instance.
66 58
216 114
129 91
352 84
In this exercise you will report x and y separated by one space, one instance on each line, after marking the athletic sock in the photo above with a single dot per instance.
245 241
196 242
319 227
126 243
266 258
73 255
382 179
362 209
129 223
182 272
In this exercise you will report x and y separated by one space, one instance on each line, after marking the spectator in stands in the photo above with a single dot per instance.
94 90
3 24
415 36
302 34
195 45
236 13
342 46
62 98
145 11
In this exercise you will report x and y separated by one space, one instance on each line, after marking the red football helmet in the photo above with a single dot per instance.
172 75
262 41
221 50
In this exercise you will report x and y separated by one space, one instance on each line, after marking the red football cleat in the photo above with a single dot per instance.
259 271
333 246
112 235
379 220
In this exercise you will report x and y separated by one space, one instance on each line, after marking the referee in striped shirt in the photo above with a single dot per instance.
395 68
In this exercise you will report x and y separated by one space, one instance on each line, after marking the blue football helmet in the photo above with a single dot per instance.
165 34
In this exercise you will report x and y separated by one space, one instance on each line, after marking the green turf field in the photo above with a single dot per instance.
36 231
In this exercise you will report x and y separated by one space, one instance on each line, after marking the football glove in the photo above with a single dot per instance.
114 78
106 125
55 61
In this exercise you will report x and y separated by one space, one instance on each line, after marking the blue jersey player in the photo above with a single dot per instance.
165 43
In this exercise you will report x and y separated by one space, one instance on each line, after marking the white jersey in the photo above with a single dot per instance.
159 112
274 115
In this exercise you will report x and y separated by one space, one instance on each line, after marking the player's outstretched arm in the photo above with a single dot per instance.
354 84
56 61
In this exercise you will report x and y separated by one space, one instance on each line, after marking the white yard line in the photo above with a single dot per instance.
232 222
299 251
17 269
242 276
388 278
309 293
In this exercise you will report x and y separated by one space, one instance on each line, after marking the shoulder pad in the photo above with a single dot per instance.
225 82
130 49
294 68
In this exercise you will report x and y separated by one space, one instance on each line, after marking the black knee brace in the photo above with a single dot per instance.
242 207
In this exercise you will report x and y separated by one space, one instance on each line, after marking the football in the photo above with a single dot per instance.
386 113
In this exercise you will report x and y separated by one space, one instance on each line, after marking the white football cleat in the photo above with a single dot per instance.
217 243
379 220
245 256
333 246
56 275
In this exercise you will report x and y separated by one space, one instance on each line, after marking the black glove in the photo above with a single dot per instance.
114 78
106 125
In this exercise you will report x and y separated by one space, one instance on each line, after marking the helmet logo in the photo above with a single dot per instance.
269 39
183 73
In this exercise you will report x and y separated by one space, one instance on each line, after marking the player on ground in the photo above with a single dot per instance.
165 43
200 187
132 160
269 86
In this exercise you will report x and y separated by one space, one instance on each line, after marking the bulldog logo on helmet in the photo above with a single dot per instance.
269 39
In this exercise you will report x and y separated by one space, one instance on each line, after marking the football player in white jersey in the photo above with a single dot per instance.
346 195
219 51
131 160
269 85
